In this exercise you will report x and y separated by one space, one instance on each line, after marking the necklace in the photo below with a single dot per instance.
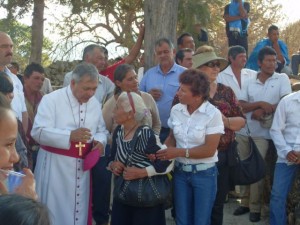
83 120
131 129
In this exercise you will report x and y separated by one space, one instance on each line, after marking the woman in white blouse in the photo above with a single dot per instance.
196 127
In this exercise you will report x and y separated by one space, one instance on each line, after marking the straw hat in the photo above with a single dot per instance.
205 57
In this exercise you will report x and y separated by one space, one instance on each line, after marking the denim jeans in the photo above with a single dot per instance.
195 194
283 179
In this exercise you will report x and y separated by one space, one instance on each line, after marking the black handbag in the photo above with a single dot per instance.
249 170
144 192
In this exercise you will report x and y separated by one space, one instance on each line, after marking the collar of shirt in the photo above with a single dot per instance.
202 109
172 70
274 76
296 96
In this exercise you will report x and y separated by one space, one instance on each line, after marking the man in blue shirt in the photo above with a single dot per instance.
278 45
162 81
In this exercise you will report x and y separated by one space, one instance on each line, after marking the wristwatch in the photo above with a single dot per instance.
187 154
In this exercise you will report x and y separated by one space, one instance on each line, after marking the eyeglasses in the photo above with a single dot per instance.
213 64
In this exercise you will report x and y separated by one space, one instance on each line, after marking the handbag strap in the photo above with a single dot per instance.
248 130
133 143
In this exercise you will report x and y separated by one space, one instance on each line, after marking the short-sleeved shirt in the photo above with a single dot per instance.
190 129
274 88
226 12
228 78
168 83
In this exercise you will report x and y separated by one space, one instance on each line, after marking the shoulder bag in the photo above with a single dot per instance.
249 170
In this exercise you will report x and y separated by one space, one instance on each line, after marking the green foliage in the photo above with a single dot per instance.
21 37
16 8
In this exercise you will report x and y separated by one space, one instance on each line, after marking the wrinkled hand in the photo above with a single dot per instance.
132 173
117 168
168 153
257 114
156 93
80 135
293 157
98 145
27 187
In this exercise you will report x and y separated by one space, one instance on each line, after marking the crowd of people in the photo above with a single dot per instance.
179 118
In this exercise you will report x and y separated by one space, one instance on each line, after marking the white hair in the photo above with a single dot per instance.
142 113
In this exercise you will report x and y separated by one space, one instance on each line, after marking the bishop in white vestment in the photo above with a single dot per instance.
66 119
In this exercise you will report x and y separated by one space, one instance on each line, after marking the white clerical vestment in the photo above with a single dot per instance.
61 183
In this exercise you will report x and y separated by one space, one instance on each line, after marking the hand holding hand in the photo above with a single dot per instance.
168 153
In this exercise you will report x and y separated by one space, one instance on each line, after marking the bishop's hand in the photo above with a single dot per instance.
80 135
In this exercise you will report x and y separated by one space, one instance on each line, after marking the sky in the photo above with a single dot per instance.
290 9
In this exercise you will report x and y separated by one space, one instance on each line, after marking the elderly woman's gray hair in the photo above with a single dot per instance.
141 112
85 69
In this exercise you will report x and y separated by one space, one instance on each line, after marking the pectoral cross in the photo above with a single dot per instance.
80 146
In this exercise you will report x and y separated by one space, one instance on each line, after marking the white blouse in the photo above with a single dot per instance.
190 129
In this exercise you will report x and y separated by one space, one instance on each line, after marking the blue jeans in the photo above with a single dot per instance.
283 179
195 194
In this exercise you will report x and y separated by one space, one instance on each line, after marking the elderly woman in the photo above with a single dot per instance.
130 113
126 79
196 127
9 156
223 97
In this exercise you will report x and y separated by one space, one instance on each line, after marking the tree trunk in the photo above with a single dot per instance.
160 21
37 31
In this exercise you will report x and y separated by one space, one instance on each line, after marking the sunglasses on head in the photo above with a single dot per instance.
213 64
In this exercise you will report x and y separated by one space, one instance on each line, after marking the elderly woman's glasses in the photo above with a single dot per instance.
213 64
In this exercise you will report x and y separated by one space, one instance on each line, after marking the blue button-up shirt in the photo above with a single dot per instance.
168 83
